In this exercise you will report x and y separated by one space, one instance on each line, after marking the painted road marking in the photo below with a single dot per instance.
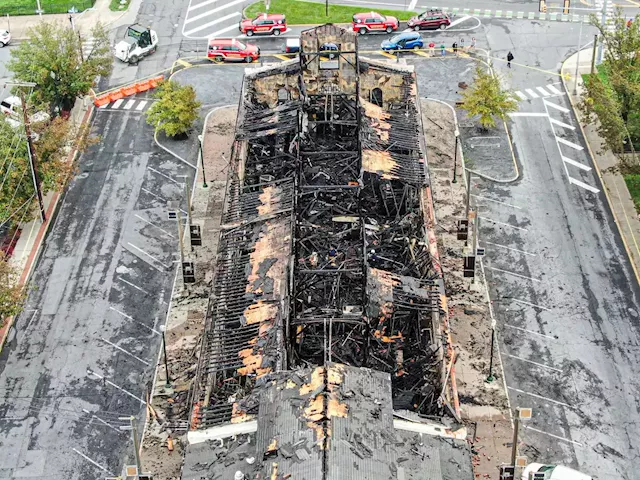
224 30
412 5
535 395
212 23
385 54
422 54
576 164
117 103
554 90
515 274
554 436
568 143
281 57
91 461
542 365
561 124
215 10
124 351
200 5
134 321
101 420
134 286
148 255
154 225
509 248
165 176
528 303
129 104
496 201
583 185
531 93
91 372
504 224
141 105
159 197
460 20
556 106
543 92
529 331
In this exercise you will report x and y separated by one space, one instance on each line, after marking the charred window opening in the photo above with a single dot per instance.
376 97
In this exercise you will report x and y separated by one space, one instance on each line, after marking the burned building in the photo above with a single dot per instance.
326 341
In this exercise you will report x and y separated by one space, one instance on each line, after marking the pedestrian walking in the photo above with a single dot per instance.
432 49
443 49
462 44
454 47
473 42
509 59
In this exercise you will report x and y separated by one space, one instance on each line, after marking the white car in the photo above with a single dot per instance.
5 38
552 472
11 107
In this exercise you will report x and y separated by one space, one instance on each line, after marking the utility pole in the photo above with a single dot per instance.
204 177
32 159
593 56
455 156
604 25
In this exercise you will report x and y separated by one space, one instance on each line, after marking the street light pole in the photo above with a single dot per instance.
455 156
204 177
164 351
490 377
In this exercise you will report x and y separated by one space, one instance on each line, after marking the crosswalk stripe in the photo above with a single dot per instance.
556 106
561 124
531 93
575 164
117 104
521 95
224 30
214 22
141 105
200 5
554 90
215 10
569 144
129 104
583 185
543 92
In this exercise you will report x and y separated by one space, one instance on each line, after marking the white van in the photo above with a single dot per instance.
539 471
12 108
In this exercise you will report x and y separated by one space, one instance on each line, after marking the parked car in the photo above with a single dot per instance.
269 23
430 20
374 22
552 472
5 38
328 50
231 50
404 41
292 45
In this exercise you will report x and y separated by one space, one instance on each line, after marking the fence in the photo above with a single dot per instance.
30 7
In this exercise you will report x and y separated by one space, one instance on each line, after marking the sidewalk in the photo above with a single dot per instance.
605 162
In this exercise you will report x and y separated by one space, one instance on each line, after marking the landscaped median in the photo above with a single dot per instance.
312 13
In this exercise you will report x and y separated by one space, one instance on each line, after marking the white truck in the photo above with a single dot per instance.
539 471
138 43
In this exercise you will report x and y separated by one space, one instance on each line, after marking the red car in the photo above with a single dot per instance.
273 24
429 20
374 22
230 49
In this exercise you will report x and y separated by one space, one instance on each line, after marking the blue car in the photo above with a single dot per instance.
403 41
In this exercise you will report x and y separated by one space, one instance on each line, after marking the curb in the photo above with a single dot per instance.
602 183
37 248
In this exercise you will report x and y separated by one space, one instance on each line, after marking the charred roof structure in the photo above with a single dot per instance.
326 341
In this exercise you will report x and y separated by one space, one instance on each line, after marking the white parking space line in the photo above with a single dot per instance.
554 90
531 93
529 304
521 95
568 143
141 105
214 22
455 22
224 30
496 201
570 161
556 106
553 436
134 321
117 103
154 225
542 365
535 395
561 124
159 197
124 351
502 223
129 104
133 285
165 176
514 274
583 185
148 255
200 5
529 331
96 464
412 5
106 424
91 372
543 92
509 248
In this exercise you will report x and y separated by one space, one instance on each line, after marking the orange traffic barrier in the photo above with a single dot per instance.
129 90
115 95
142 86
102 100
153 82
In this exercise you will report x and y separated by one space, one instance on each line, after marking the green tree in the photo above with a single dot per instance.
176 108
614 93
52 59
486 99
12 295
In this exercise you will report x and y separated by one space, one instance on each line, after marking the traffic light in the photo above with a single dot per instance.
542 6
